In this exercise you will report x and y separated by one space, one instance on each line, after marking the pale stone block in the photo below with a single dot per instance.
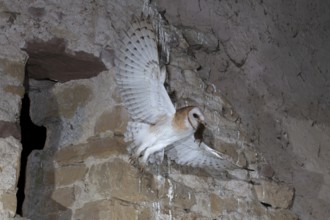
200 40
12 91
121 180
8 203
280 214
106 209
275 194
64 196
95 147
221 205
10 154
67 175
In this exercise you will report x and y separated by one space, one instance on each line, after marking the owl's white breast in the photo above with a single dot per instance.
166 131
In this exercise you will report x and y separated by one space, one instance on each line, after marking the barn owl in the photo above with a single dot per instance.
156 127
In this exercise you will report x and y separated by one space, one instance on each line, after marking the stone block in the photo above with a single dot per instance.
12 76
43 200
71 98
194 216
51 100
266 171
10 129
15 90
280 214
63 196
192 79
8 203
49 203
144 213
67 175
221 205
121 180
178 195
183 61
201 40
106 209
254 208
10 154
7 217
239 188
95 147
13 69
275 194
60 215
230 150
115 120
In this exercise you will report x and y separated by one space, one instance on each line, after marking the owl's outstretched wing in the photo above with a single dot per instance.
193 153
139 77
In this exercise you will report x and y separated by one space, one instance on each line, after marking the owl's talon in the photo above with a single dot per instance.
141 169
132 160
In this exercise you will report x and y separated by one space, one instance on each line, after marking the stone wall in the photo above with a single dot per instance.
253 67
271 66
12 91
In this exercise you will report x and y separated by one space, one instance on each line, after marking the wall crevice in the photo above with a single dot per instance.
33 137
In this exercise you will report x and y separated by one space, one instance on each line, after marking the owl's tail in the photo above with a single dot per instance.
135 133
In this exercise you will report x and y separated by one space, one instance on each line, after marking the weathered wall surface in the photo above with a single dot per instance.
12 90
258 69
272 66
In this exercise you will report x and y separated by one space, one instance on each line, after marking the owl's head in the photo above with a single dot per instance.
196 117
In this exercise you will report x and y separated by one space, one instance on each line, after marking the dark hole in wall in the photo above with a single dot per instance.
32 137
266 205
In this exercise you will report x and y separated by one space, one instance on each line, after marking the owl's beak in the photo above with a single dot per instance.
202 122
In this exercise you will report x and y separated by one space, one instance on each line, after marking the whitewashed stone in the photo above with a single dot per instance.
10 154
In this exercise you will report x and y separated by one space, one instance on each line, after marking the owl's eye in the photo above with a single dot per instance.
195 115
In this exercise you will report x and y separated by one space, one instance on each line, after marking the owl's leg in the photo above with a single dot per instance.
151 150
139 151
133 160
141 168
149 141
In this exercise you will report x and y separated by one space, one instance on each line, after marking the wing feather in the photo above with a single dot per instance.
138 76
192 153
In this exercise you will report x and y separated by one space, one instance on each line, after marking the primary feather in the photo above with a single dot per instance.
139 78
198 154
